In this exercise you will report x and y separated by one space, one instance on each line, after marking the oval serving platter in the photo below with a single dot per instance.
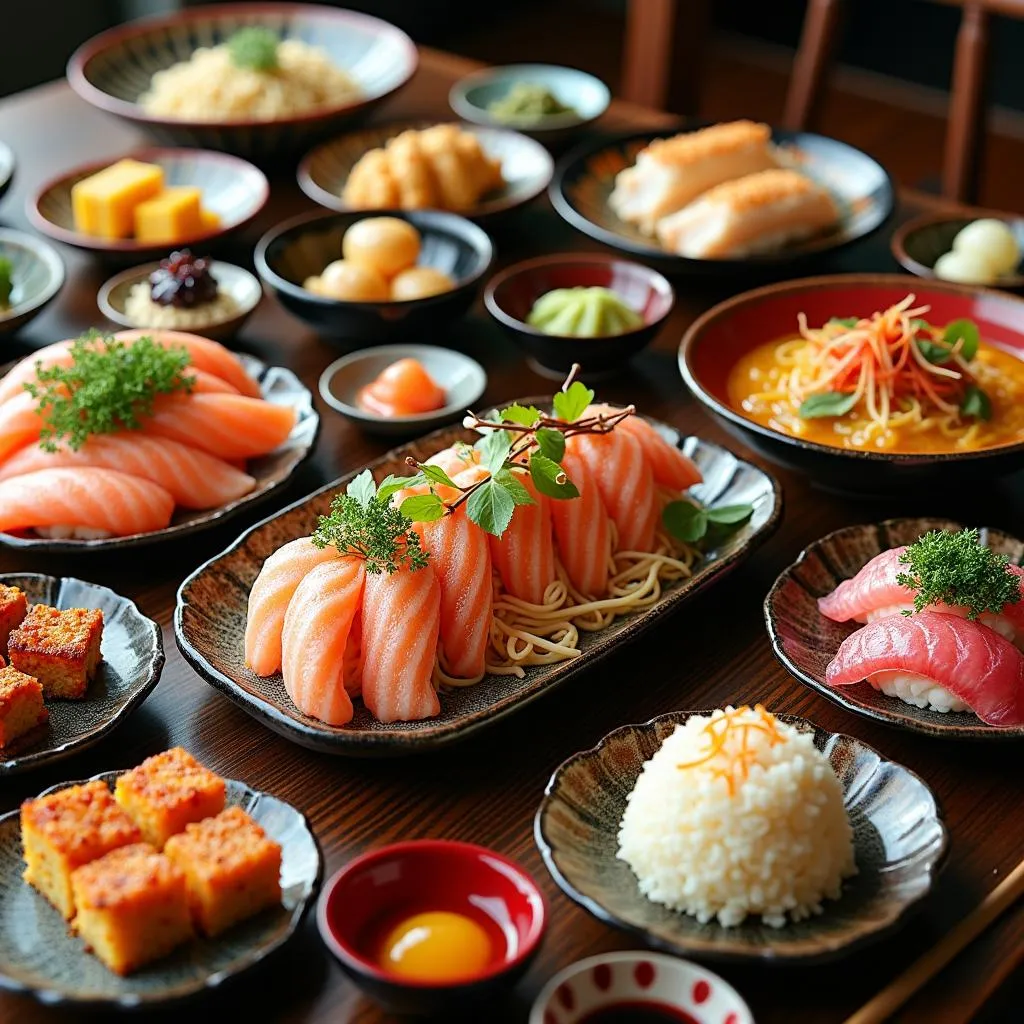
900 843
133 658
278 385
805 641
39 956
209 621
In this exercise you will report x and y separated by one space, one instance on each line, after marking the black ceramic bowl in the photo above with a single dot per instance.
302 247
510 296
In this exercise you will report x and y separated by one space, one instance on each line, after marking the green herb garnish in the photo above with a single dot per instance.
110 386
6 280
690 523
364 524
254 48
976 403
827 403
960 337
849 322
955 569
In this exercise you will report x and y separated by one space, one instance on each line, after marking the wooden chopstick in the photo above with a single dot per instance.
897 992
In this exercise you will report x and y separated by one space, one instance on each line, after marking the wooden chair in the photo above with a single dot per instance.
965 133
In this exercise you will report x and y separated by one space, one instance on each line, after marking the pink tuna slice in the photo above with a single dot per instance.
970 660
872 588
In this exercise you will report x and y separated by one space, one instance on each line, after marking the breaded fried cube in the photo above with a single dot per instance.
60 648
64 830
232 866
21 704
166 792
131 907
13 608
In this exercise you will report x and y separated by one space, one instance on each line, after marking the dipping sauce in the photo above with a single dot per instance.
583 313
403 389
638 1013
437 946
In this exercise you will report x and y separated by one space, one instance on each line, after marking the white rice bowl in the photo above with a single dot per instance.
777 847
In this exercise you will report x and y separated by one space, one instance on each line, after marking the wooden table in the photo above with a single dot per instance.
487 789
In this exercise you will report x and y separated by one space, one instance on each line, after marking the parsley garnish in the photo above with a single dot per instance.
254 48
955 569
109 386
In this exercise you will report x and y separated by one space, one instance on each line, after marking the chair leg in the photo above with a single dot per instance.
803 100
965 133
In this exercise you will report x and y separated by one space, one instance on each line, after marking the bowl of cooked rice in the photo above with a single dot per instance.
257 79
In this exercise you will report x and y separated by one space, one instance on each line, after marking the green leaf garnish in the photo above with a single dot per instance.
921 325
494 447
422 508
966 332
254 48
690 523
827 403
362 488
976 403
729 515
955 569
936 352
844 321
549 478
552 443
511 482
110 386
394 483
490 506
436 475
6 280
526 415
569 405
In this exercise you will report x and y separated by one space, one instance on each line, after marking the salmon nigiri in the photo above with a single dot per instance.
97 502
524 555
281 574
931 659
315 636
20 424
582 530
400 619
193 478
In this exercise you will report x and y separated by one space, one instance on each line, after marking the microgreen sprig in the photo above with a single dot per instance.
254 47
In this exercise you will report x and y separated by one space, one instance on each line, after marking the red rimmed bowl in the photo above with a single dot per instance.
112 70
510 296
375 891
232 188
717 340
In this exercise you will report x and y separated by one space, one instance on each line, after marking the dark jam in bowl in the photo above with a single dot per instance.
638 1013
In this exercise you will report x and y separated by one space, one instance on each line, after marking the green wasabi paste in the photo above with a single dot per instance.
528 101
583 313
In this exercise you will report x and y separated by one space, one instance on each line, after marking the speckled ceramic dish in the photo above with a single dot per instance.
805 641
39 957
231 188
237 282
209 622
864 191
462 378
7 165
526 165
899 840
37 274
271 471
115 68
133 658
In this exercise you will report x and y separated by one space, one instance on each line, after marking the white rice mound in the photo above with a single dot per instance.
777 847
920 691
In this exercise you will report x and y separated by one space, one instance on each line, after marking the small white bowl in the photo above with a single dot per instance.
243 286
633 978
462 378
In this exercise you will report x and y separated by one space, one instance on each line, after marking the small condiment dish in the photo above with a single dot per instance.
37 275
510 296
640 986
375 891
7 164
244 287
462 378
301 247
471 97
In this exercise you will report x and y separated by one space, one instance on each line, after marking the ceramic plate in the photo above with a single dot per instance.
585 179
39 957
277 385
37 275
526 165
133 658
209 622
805 641
899 840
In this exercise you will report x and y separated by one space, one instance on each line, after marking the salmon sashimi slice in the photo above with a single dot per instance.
315 635
582 529
353 667
872 593
193 478
461 559
403 389
228 426
401 616
626 482
672 469
936 660
281 574
525 553
101 500
20 424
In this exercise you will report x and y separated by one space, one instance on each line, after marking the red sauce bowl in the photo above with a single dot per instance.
375 891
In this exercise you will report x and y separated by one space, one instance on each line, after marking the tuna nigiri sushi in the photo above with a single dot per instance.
939 661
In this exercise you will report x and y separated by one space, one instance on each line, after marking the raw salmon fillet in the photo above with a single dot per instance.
582 529
525 553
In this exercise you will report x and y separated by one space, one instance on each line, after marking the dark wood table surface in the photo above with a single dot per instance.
486 790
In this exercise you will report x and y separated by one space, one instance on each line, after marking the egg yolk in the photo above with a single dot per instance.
437 946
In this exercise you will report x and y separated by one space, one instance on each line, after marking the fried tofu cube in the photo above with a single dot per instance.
167 792
21 704
232 867
13 608
64 830
131 907
61 648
